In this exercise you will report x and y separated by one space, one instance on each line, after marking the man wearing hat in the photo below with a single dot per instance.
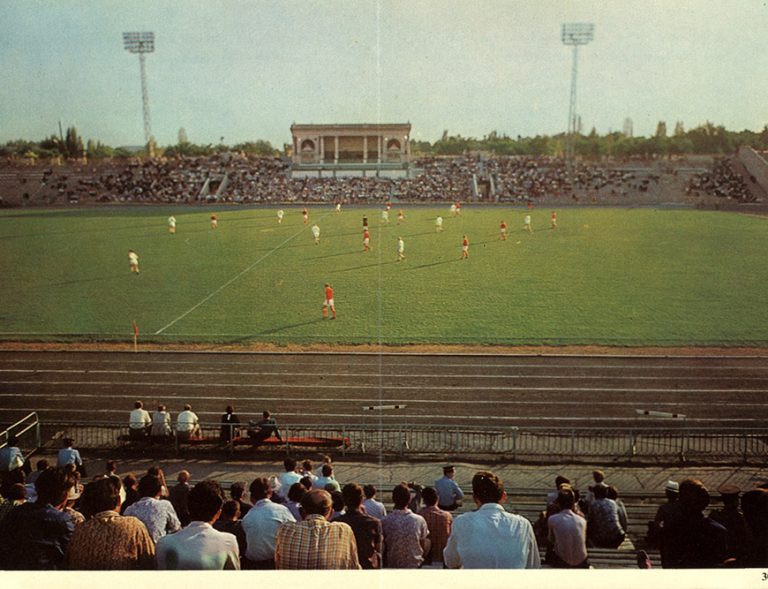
664 513
732 519
449 494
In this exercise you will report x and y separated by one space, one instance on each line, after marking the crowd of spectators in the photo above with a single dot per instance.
722 180
306 518
242 178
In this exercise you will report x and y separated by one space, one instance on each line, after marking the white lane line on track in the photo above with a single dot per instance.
365 374
638 422
374 387
226 284
365 400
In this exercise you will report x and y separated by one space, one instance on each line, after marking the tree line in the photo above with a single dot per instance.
704 139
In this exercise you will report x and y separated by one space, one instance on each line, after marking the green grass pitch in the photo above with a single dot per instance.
604 276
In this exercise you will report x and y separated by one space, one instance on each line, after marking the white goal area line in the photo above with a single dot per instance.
226 284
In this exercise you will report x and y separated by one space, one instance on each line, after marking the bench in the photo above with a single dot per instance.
300 441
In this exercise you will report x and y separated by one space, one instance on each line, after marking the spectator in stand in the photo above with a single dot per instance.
326 460
200 546
337 502
306 469
187 424
732 519
327 481
372 506
161 424
691 540
131 486
40 466
295 494
755 506
156 471
439 524
560 480
68 455
139 422
13 467
490 537
567 534
599 477
367 529
107 540
664 513
261 525
406 536
230 425
263 429
17 495
111 471
34 536
288 478
612 492
71 507
315 542
229 521
604 526
158 515
237 491
179 497
449 493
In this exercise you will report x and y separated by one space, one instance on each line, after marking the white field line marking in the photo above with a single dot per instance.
189 385
432 418
369 374
324 363
399 402
226 284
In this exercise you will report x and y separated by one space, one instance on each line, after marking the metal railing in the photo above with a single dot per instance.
27 433
517 444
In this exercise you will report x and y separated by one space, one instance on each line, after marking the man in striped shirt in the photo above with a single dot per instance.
315 542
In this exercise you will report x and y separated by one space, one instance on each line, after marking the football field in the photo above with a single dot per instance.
604 276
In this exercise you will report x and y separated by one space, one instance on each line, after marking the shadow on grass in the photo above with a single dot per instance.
435 264
337 255
363 267
83 281
281 328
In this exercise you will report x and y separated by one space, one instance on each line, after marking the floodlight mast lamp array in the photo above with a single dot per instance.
141 43
574 34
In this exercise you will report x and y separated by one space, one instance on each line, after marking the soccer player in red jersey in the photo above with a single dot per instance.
328 302
554 219
366 240
464 248
503 230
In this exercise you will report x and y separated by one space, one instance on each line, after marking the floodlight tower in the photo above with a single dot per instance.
142 43
574 34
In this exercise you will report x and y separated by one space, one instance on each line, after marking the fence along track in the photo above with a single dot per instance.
521 444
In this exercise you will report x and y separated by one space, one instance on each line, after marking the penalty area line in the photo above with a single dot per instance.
226 284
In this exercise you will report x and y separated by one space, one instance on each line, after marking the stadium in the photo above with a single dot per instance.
534 307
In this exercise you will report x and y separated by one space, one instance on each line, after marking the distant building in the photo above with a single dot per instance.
628 128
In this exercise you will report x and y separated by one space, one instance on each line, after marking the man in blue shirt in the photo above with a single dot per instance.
449 494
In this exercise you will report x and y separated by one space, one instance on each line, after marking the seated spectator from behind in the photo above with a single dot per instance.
603 525
337 502
665 512
40 466
367 529
158 515
261 525
567 534
71 507
754 503
732 519
315 542
599 477
230 425
237 492
17 495
490 537
612 492
439 524
295 494
560 480
200 546
288 477
68 455
13 467
179 497
229 521
139 422
131 486
691 540
406 536
306 468
187 424
34 536
161 424
264 429
327 481
373 507
107 540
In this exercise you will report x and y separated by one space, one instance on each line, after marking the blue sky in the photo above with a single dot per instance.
246 70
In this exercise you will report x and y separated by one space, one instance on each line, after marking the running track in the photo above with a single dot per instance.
436 389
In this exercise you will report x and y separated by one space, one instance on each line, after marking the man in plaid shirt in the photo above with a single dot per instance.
315 542
439 525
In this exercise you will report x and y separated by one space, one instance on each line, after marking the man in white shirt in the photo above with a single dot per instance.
490 537
187 424
261 525
139 422
288 478
326 480
200 546
372 506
